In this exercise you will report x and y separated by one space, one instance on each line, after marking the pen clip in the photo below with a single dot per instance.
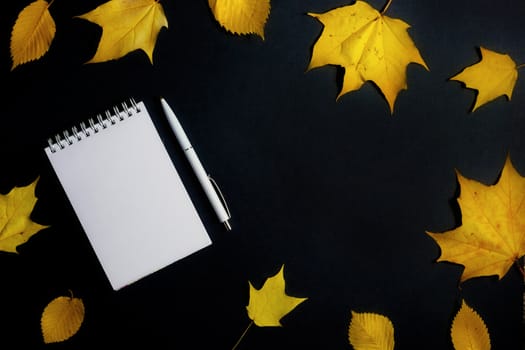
218 190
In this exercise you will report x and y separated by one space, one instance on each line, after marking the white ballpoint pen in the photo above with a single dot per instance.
205 180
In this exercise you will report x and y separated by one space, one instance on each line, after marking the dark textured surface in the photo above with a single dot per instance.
340 192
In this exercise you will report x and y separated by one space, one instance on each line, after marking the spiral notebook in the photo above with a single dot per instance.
126 193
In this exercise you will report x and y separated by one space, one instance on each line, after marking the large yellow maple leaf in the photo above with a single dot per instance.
32 34
369 46
127 25
16 227
241 16
270 303
491 237
494 76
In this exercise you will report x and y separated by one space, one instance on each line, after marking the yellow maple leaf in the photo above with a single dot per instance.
32 34
241 16
492 234
61 319
270 303
16 227
468 330
127 25
369 46
369 331
494 76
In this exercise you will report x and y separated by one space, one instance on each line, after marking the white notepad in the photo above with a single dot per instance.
127 193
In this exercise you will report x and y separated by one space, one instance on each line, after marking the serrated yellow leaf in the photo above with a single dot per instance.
32 34
369 46
241 16
369 331
270 303
492 234
62 319
16 227
468 330
494 76
127 25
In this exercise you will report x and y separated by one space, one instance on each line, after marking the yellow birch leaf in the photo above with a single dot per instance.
127 25
270 303
494 76
62 319
369 331
16 227
369 46
241 16
468 330
492 233
32 34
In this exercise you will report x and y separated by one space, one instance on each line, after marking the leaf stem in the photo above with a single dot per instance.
517 262
242 335
386 7
520 66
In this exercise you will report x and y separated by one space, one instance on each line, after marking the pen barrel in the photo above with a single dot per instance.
206 184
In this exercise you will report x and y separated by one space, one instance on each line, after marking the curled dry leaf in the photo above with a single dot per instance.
62 319
32 34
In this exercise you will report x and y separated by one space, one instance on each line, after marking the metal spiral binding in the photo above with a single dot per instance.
69 137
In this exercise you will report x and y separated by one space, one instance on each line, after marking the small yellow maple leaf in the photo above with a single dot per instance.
369 331
492 234
32 34
127 25
61 319
270 303
369 46
494 76
16 227
241 16
468 330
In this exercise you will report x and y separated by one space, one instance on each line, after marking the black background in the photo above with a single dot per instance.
341 193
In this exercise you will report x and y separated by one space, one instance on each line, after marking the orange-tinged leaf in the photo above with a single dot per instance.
494 76
127 25
241 16
369 46
16 226
492 234
369 331
62 319
32 34
270 303
468 330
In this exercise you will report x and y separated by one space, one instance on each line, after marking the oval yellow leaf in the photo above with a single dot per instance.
32 34
369 331
241 16
468 330
61 319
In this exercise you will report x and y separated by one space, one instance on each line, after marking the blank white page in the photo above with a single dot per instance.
128 196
